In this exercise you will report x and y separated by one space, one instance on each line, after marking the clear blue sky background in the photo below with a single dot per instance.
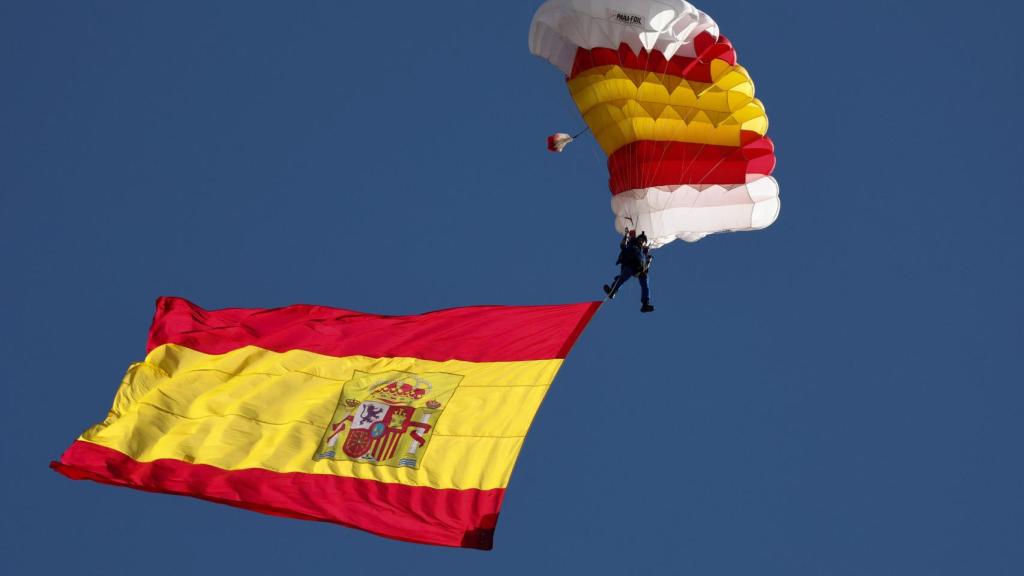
839 394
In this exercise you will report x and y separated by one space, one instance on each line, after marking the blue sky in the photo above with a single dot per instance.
838 394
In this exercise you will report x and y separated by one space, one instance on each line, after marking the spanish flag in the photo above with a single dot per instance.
404 426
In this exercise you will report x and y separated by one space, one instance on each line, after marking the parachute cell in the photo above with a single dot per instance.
661 90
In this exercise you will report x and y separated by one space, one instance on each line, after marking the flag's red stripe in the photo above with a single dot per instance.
462 518
695 69
473 334
646 163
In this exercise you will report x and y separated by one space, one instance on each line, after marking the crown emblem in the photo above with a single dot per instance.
395 391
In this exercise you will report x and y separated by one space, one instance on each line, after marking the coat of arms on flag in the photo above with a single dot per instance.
387 418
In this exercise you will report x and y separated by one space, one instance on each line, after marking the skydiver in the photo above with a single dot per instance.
635 260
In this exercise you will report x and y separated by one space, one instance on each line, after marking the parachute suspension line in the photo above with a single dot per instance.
630 171
631 161
595 147
576 110
686 164
645 175
658 205
666 199
601 158
637 174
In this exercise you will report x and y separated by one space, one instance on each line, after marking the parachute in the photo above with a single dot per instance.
660 89
558 141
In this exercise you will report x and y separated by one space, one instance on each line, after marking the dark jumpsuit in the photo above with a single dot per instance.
632 259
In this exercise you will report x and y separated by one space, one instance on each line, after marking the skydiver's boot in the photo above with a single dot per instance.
611 290
647 307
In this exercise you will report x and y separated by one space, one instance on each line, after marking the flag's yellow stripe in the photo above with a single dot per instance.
253 408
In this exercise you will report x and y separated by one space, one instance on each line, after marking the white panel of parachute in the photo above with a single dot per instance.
562 26
660 89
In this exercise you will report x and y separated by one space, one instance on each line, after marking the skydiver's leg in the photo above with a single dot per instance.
645 294
624 274
611 290
645 289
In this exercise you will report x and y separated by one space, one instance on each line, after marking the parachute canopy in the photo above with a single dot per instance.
660 88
